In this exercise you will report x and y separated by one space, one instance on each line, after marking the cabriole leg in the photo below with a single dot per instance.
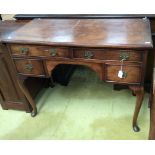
28 97
51 82
139 92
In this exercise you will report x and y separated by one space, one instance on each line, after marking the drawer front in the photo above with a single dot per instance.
30 67
132 73
107 54
42 51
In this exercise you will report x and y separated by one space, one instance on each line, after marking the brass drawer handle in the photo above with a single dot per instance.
29 67
53 52
88 54
24 50
124 56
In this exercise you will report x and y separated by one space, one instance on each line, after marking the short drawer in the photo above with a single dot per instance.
100 54
132 73
29 67
37 50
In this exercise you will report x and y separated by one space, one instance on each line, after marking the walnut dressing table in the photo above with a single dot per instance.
116 49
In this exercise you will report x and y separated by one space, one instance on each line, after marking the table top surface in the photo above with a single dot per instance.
108 33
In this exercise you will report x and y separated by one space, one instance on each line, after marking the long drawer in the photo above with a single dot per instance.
105 54
38 50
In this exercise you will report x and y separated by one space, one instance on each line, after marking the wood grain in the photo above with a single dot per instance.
117 33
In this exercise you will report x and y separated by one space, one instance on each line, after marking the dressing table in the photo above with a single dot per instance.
116 49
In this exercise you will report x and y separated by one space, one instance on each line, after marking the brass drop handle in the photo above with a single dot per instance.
121 73
24 50
29 67
124 56
53 52
88 54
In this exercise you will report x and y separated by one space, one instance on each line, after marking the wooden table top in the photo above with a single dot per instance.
108 33
7 27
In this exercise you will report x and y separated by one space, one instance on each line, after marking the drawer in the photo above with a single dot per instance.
132 73
29 67
37 50
107 54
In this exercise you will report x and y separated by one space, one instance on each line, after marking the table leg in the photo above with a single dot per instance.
152 120
28 97
51 82
152 108
139 92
